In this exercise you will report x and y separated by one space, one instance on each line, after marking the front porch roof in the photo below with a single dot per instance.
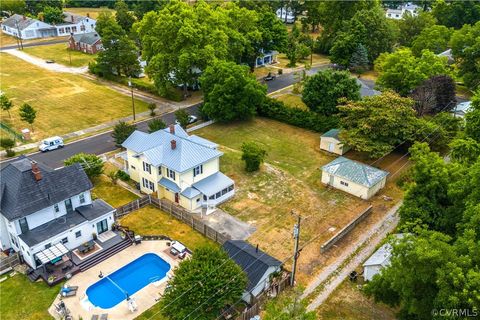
170 185
190 193
213 183
55 251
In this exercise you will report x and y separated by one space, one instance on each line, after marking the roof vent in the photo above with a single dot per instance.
173 144
36 171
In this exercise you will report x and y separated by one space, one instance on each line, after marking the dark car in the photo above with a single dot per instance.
50 61
269 77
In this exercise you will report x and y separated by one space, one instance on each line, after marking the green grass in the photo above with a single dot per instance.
61 54
92 12
22 299
64 102
292 100
113 194
152 221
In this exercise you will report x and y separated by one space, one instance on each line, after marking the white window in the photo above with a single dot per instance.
171 174
56 208
198 170
78 234
147 167
82 198
64 240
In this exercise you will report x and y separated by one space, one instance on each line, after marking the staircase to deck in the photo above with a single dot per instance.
105 254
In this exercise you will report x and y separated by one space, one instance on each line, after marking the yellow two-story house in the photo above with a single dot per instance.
179 167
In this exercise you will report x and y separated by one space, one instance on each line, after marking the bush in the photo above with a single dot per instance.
152 106
253 155
91 164
155 125
10 153
122 175
306 119
182 117
122 131
8 144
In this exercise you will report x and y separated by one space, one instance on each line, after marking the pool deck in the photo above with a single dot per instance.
145 298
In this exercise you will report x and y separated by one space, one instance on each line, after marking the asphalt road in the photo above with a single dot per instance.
34 44
103 142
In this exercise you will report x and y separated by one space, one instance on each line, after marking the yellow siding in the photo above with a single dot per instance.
209 168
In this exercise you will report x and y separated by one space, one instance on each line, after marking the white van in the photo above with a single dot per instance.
50 144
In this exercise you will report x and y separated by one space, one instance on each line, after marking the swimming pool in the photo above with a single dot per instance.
113 289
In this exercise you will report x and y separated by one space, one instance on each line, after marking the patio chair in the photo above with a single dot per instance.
104 316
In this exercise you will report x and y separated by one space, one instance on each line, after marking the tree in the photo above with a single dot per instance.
435 95
377 124
411 26
182 117
294 48
152 106
288 306
193 295
106 20
472 118
52 15
322 91
230 92
13 6
402 71
91 163
466 50
155 125
465 150
6 104
434 38
456 14
28 114
359 60
36 6
8 144
122 131
123 16
253 155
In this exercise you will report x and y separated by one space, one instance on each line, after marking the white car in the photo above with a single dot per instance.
50 144
191 119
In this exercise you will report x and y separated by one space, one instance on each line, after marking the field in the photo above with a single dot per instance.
92 12
6 40
289 180
22 299
64 102
60 54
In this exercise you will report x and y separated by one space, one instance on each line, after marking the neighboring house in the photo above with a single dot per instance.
27 28
181 168
266 58
448 54
285 15
378 260
330 141
257 265
354 177
462 109
45 213
398 13
88 42
366 91
75 24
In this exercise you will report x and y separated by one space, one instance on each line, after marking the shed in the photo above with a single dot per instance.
354 177
330 141
379 259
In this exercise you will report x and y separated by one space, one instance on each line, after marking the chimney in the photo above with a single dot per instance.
172 129
173 144
36 171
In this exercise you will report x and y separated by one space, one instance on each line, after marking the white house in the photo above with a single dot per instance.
378 260
75 24
257 265
45 213
330 141
27 28
266 58
285 15
354 177
462 109
182 168
398 13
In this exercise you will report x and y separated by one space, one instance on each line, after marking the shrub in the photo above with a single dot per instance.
182 117
152 106
10 153
122 131
306 119
8 144
113 176
122 175
92 164
155 125
253 155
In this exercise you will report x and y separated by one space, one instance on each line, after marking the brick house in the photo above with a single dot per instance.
89 43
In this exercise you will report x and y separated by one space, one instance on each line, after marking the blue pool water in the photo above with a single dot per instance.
112 289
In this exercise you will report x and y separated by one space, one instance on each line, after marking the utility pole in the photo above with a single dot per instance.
296 236
19 35
133 100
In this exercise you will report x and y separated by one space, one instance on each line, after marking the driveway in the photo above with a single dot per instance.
55 67
224 223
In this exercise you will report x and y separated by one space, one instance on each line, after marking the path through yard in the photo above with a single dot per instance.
330 278
55 67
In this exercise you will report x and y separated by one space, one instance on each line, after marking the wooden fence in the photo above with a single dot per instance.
345 230
7 263
176 211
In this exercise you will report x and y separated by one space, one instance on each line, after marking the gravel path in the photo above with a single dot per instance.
333 276
55 67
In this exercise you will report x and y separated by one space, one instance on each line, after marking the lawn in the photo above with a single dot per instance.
60 54
290 179
113 194
64 102
316 59
92 12
22 299
292 100
7 40
347 302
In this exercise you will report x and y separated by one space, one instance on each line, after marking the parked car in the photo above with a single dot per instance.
50 61
191 119
50 144
269 77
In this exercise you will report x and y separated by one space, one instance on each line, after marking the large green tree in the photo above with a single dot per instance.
123 16
52 15
402 71
194 294
6 104
11 7
28 114
472 125
288 306
230 92
410 26
465 45
322 91
434 38
91 163
456 14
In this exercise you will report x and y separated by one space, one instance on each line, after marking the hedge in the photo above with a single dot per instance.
306 119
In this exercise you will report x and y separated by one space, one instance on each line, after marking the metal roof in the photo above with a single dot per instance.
170 185
89 38
19 21
355 171
379 257
213 183
156 147
190 193
366 91
332 133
